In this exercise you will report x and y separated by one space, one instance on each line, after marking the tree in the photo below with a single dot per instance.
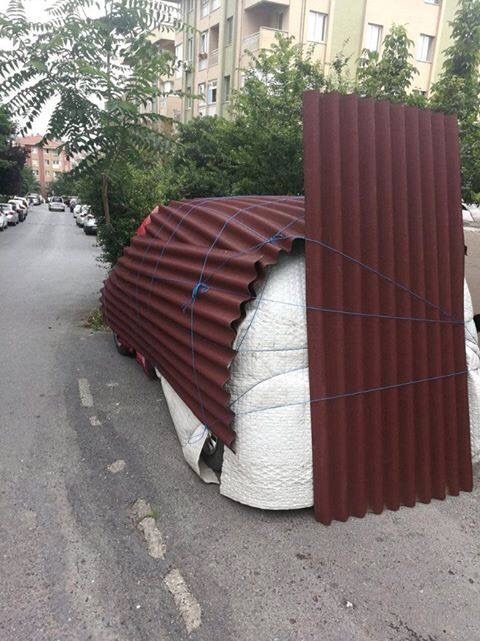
12 159
458 90
98 61
267 113
30 184
203 160
389 76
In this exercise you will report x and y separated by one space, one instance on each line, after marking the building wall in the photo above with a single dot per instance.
256 22
47 162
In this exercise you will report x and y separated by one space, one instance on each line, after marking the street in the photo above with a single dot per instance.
73 566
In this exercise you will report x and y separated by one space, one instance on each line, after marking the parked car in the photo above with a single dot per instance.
11 213
83 214
77 210
56 204
3 220
72 203
23 200
90 225
19 208
35 199
23 203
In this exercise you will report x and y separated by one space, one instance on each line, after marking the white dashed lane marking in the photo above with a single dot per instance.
86 397
117 466
186 603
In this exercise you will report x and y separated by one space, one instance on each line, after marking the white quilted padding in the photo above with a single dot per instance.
473 365
271 467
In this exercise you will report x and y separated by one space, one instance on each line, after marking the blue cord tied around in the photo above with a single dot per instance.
274 238
196 290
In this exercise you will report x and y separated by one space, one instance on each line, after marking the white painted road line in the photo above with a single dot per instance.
153 537
86 397
186 604
117 466
142 515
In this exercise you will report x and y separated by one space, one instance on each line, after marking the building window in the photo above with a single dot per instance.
189 98
190 49
214 4
201 91
432 1
229 31
204 6
425 48
204 42
47 162
189 5
317 26
168 86
226 88
278 20
212 92
178 60
373 37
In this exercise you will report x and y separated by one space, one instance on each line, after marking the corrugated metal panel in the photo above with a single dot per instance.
180 286
387 368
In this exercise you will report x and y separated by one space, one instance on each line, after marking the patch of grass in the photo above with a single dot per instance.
95 321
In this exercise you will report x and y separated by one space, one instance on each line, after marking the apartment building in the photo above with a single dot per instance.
222 33
47 162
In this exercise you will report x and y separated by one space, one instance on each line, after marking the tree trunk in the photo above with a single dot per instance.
105 203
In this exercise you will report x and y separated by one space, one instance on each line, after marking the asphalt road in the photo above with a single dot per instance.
74 567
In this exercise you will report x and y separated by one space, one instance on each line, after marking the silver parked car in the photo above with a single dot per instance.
11 213
56 204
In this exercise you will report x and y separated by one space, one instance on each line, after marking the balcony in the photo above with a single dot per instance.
249 4
263 39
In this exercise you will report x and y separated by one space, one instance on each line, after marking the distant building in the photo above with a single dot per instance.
47 161
215 49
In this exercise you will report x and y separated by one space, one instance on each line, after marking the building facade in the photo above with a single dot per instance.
215 49
47 161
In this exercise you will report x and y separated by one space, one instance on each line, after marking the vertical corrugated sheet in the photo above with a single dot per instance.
384 254
180 286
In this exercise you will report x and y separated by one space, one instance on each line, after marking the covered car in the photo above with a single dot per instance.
211 296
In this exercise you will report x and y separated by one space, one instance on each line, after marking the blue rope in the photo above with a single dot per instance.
196 290
334 397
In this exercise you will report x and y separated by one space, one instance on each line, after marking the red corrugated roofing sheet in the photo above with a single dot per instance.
180 286
384 255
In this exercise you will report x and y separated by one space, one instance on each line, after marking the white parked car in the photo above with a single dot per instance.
82 215
3 220
90 224
19 208
56 204
22 200
11 213
77 210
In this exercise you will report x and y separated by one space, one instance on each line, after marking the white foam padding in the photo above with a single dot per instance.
271 467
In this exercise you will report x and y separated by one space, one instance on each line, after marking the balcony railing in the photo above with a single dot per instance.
263 39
